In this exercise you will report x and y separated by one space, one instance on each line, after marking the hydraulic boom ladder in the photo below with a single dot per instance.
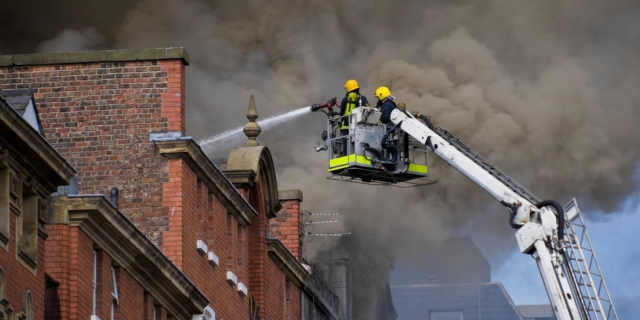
567 263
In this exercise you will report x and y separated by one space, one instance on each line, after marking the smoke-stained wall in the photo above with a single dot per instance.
546 90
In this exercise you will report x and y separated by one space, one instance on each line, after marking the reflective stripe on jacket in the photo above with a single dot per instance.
353 100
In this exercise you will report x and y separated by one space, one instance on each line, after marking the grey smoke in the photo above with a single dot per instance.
73 40
544 89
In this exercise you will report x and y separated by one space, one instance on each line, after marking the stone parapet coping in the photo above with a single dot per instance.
114 233
294 194
287 262
34 59
224 190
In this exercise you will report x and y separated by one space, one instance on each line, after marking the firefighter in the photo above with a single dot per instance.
386 105
353 99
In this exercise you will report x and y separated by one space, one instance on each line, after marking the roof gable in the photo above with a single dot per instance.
21 100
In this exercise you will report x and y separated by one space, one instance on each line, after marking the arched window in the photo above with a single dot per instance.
27 305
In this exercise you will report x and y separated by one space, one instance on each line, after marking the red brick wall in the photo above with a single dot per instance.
274 292
69 260
147 312
131 296
293 305
57 263
18 278
99 116
257 249
172 201
161 313
267 281
80 274
225 299
198 215
286 226
103 295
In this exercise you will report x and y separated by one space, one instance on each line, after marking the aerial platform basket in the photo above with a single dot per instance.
358 156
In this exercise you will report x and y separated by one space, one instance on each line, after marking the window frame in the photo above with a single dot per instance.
115 299
95 283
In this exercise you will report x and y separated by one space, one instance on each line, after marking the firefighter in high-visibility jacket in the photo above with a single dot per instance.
387 105
353 99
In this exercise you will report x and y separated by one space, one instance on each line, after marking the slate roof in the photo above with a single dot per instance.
18 99
457 261
475 301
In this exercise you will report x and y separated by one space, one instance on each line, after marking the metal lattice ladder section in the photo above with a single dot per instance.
591 290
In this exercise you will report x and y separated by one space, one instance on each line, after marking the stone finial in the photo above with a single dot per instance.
252 129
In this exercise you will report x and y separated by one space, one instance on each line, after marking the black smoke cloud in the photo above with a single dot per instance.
544 89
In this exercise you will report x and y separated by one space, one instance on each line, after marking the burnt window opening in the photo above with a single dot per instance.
51 299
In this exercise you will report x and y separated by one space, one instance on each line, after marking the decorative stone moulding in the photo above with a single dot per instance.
252 129
213 259
202 247
242 289
232 278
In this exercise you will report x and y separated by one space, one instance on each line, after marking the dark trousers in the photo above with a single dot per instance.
344 134
390 145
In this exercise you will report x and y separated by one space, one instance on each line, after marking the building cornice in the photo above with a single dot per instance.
189 151
242 178
287 262
26 141
129 248
34 59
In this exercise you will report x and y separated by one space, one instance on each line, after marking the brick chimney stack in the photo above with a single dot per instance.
286 227
99 108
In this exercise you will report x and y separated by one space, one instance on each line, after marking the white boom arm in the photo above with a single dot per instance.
539 232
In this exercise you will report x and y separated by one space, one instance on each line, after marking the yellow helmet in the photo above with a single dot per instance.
382 93
351 85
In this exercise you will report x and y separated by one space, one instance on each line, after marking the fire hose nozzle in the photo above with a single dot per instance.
329 105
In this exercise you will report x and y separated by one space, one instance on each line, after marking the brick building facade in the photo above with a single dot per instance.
30 170
182 238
